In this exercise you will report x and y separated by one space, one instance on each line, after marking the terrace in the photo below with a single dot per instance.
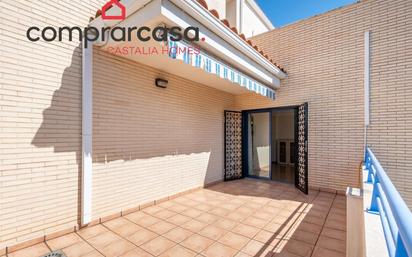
246 217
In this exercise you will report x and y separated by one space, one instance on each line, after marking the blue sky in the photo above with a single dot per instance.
283 12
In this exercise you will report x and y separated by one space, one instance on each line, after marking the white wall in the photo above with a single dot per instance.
252 24
261 143
219 5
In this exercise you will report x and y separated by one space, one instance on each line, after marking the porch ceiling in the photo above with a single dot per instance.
219 45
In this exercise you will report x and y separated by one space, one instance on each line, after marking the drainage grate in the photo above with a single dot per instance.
57 253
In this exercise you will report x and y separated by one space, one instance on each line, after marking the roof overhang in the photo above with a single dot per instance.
220 42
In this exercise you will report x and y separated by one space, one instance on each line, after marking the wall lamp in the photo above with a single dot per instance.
161 83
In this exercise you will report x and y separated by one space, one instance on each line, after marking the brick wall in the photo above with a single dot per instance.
40 120
148 142
323 56
155 142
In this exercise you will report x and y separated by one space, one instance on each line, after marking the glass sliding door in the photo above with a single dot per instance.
259 144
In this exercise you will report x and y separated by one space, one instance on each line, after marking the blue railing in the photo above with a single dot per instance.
395 215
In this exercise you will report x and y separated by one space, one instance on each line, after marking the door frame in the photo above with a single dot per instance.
245 142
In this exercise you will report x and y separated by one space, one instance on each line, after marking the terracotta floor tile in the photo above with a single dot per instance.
102 240
64 241
136 252
178 219
322 252
158 245
161 227
212 232
334 224
255 222
219 250
191 212
225 224
177 208
152 209
266 237
93 253
299 248
204 207
263 215
284 219
164 214
245 211
142 236
197 243
80 249
255 248
207 218
93 231
245 230
147 221
234 240
35 250
141 218
242 254
115 223
166 204
242 218
178 234
273 227
287 254
178 251
219 212
313 228
314 220
334 233
236 216
332 244
117 248
194 225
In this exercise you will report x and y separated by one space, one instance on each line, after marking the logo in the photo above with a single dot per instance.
114 4
117 33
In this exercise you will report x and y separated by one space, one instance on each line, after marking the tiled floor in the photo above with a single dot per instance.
239 218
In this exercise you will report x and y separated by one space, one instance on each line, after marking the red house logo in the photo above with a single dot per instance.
114 4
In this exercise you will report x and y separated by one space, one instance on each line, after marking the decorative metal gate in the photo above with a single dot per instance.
233 145
301 176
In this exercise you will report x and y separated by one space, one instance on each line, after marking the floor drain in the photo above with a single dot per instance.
57 253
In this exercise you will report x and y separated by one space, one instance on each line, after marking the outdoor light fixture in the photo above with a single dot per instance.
161 83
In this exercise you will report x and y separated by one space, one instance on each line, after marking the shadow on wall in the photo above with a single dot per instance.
61 125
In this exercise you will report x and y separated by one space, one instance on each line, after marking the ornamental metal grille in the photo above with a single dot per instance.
233 145
302 176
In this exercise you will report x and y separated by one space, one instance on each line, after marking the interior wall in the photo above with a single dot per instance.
283 127
260 140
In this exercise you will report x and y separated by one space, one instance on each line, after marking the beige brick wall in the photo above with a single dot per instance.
149 142
324 59
156 142
40 119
